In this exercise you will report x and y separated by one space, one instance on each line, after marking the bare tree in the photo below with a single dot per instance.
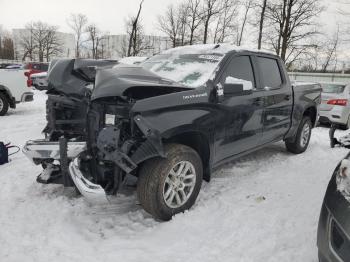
211 9
138 40
169 23
248 4
183 12
6 44
39 35
40 39
194 19
291 21
95 39
27 43
52 43
77 22
261 21
331 51
225 24
133 37
7 48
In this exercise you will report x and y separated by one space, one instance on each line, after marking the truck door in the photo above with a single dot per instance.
239 123
279 98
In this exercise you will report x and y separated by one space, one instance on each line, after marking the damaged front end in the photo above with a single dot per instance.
93 137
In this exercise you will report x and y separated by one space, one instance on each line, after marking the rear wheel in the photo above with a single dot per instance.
4 105
301 142
167 186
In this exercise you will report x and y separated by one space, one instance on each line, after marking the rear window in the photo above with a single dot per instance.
270 72
333 88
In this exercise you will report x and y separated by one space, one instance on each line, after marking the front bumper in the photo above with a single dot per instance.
37 150
40 150
92 192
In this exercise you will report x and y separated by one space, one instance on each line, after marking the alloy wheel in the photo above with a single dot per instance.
179 184
305 135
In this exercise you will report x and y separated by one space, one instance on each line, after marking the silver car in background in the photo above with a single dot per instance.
39 81
335 104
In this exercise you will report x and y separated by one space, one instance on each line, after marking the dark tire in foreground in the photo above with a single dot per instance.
4 104
302 137
167 186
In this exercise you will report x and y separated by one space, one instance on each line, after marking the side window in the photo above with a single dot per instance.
271 74
44 67
239 69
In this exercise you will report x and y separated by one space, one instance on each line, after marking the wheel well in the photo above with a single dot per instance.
7 95
198 142
312 113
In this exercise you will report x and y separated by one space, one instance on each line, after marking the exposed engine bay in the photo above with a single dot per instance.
92 132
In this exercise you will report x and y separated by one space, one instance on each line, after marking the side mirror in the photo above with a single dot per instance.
234 86
233 89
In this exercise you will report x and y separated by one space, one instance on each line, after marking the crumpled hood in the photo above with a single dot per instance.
71 76
132 81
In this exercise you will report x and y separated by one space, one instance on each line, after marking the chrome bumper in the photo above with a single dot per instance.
92 192
43 149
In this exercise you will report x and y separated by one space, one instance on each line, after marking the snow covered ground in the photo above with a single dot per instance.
264 207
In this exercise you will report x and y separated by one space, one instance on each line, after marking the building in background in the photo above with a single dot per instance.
67 47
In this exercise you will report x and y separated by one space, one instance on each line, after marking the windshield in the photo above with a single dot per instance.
333 88
191 70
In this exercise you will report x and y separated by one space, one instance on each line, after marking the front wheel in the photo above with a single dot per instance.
4 105
301 142
167 186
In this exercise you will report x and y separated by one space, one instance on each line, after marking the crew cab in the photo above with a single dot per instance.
170 121
13 89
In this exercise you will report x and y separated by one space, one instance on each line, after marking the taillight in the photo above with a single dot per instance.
338 102
26 74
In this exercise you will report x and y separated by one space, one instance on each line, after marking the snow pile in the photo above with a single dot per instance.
132 60
221 48
262 208
343 179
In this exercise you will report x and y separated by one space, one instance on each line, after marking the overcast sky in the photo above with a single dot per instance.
109 15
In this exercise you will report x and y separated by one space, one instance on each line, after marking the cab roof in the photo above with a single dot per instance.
223 49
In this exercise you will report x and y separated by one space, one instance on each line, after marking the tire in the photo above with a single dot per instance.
4 104
154 182
301 142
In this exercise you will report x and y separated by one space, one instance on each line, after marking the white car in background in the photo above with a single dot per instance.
13 89
39 81
335 105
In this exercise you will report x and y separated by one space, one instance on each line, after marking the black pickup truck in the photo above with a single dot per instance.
169 121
